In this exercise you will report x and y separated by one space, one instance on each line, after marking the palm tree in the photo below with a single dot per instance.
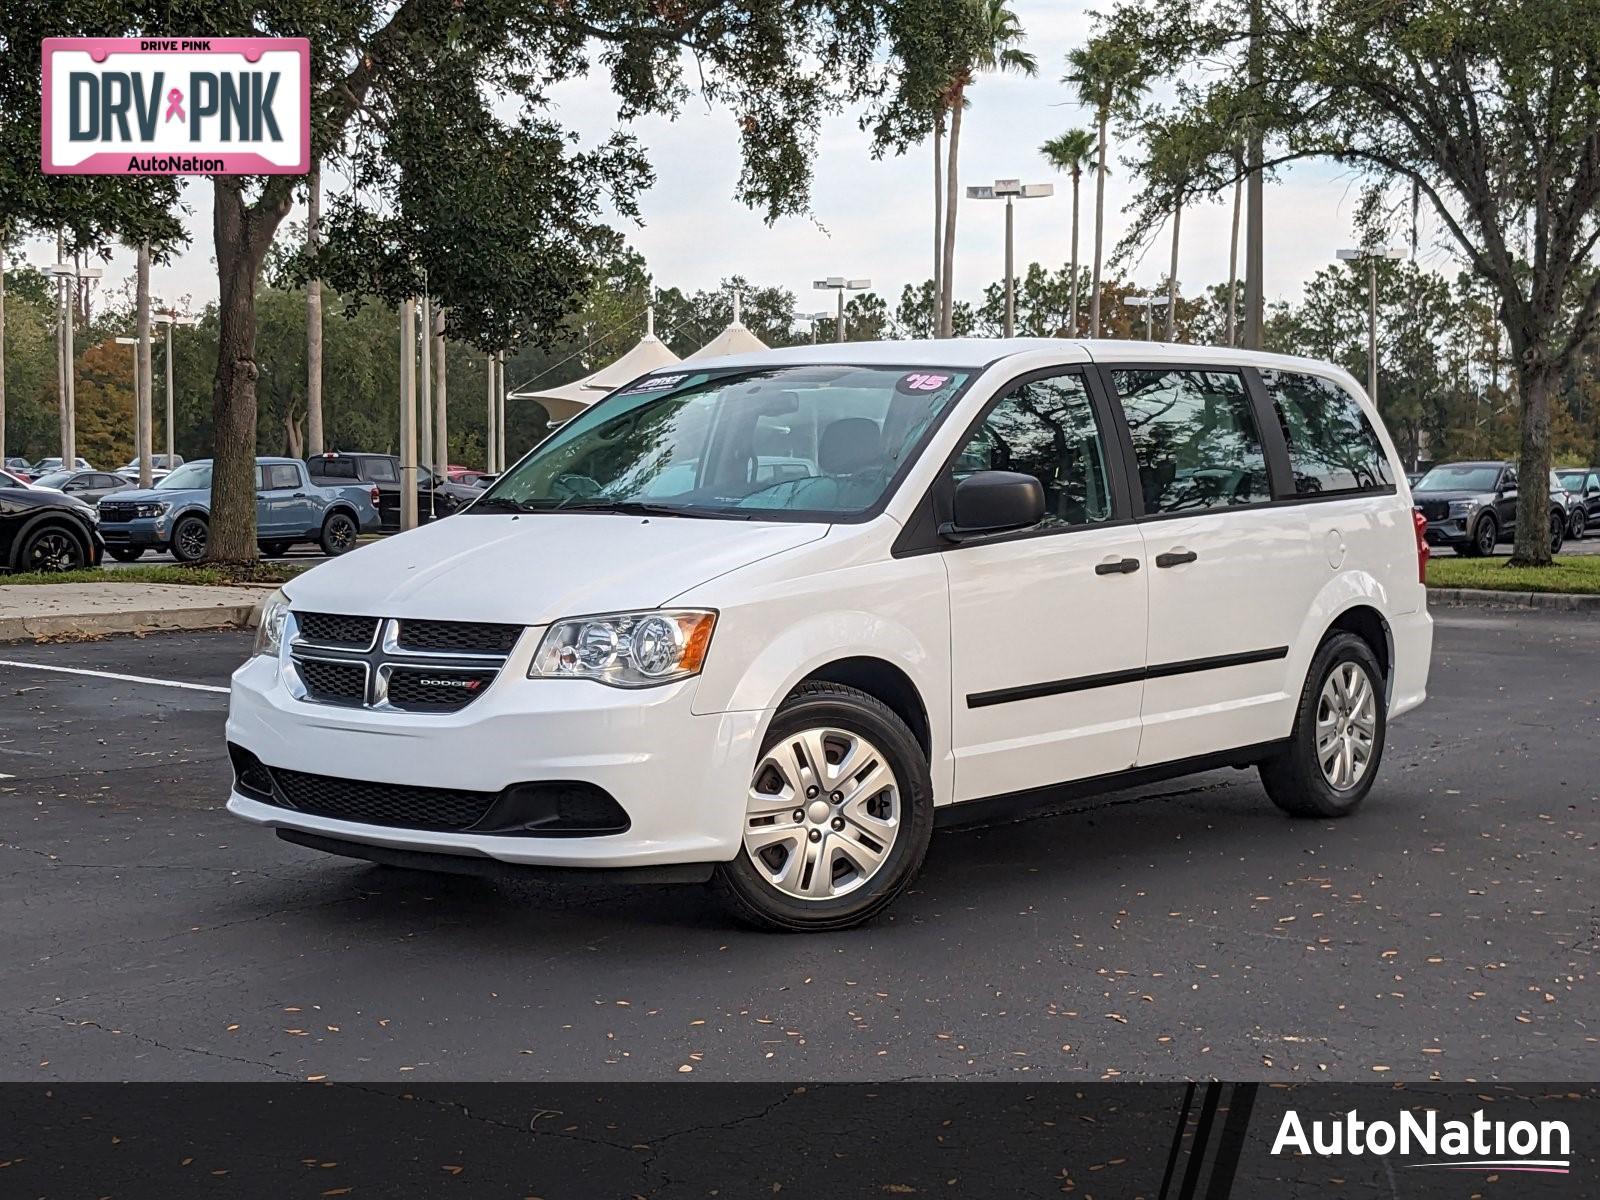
1073 152
999 49
1106 75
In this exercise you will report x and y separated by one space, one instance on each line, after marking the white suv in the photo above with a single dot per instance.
763 619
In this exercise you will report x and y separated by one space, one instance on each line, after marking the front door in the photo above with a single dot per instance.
1047 625
1228 569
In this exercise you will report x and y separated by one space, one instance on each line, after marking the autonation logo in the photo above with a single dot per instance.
1478 1144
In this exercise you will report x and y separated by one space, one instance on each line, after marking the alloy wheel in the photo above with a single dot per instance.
192 539
341 534
1347 726
822 814
55 550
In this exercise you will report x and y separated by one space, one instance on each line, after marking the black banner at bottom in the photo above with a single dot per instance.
555 1141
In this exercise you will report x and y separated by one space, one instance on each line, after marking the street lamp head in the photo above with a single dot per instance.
856 285
128 341
832 281
1035 191
1393 254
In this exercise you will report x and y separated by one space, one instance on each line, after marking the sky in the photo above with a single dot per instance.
873 218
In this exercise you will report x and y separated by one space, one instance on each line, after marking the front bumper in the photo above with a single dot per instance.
680 778
147 533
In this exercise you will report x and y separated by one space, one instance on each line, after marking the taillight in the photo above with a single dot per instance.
375 495
1420 523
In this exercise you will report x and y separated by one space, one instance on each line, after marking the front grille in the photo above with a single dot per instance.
328 629
458 637
116 512
428 689
333 682
1435 510
382 803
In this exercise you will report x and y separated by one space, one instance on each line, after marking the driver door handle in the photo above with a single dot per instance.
1115 566
1175 558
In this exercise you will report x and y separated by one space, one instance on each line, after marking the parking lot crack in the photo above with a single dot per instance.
157 1043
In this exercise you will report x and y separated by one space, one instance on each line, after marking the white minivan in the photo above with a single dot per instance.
764 620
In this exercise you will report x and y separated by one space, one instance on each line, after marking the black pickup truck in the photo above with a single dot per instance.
435 497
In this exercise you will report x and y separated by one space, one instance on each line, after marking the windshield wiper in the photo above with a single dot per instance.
643 508
501 504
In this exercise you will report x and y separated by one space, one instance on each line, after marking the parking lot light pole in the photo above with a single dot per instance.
1009 190
812 318
1148 301
139 449
841 285
408 413
67 367
169 318
1372 257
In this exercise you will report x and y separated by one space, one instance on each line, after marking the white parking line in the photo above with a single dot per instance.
173 683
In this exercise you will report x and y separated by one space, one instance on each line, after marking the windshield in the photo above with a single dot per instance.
1464 477
53 480
195 475
1571 480
785 443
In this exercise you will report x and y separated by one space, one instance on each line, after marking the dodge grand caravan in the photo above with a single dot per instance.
763 619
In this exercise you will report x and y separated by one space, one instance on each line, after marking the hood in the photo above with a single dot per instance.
537 568
1452 494
158 495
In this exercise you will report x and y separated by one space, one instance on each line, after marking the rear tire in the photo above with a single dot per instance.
865 817
1558 532
339 534
275 549
1337 744
126 554
1579 525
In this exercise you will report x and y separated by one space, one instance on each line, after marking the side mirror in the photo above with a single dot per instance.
995 502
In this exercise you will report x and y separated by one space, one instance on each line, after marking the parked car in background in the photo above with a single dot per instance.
1577 517
435 497
44 530
18 468
13 479
160 468
1414 477
1472 507
1007 568
46 466
89 486
1583 485
290 509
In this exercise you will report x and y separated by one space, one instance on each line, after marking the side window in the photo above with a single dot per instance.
1594 481
1046 429
335 468
1194 438
282 477
1332 445
1508 481
380 470
261 478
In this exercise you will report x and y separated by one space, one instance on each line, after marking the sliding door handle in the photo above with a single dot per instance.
1175 558
1115 566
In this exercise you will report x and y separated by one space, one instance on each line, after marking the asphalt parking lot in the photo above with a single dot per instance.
1186 931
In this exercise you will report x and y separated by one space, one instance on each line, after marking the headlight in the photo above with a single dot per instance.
1462 508
269 634
151 510
638 649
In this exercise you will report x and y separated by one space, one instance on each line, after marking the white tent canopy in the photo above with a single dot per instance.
569 399
735 339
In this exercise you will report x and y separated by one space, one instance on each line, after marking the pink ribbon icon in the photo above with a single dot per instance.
175 105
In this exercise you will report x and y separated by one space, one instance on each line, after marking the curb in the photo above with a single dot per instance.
1485 598
69 625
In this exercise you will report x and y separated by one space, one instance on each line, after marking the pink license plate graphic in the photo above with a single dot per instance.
176 106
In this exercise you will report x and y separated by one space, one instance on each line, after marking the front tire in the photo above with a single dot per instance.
190 536
837 818
339 534
52 548
1485 535
1579 525
1558 532
1333 754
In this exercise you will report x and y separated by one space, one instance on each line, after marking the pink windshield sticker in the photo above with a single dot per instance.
921 381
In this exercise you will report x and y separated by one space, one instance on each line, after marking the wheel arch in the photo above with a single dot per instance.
883 681
39 521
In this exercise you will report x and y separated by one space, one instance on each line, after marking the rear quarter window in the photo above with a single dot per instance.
1333 448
